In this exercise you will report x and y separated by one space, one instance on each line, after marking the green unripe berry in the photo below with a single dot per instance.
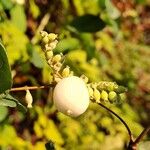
96 95
104 95
112 96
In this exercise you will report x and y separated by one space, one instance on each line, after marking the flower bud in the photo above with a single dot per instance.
56 58
43 33
90 91
49 55
66 72
45 39
57 66
104 95
112 96
29 99
96 95
85 78
52 36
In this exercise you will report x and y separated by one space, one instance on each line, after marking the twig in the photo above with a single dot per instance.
42 25
143 133
125 124
30 88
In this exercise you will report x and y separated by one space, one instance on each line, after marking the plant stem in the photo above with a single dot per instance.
30 88
139 138
42 25
125 124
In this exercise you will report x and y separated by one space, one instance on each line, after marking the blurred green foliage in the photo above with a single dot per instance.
105 40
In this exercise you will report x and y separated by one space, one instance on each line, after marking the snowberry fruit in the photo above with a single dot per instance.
71 96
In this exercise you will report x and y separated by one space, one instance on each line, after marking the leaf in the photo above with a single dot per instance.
50 145
36 59
18 17
5 73
21 107
34 9
18 104
67 45
6 102
3 113
7 4
88 23
34 52
15 42
74 56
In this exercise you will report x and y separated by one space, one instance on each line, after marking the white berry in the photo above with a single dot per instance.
71 96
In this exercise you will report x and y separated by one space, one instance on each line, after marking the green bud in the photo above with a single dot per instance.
122 97
49 55
71 73
45 39
43 33
85 78
110 87
66 72
104 95
52 36
121 89
96 95
90 91
56 58
57 66
112 96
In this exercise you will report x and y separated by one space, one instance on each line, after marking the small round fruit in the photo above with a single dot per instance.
71 96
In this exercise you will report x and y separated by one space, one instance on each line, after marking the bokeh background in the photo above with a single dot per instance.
105 40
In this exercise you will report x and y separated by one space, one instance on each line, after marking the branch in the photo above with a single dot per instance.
124 123
143 133
42 25
30 88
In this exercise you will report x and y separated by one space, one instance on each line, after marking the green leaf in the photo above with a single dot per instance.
34 52
35 11
7 4
49 146
36 59
18 104
18 17
6 102
67 45
15 42
3 113
21 107
88 23
5 73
